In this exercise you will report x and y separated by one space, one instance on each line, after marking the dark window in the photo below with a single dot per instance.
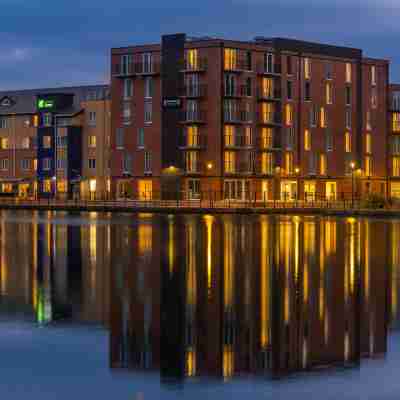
307 91
248 87
248 60
289 66
289 90
348 95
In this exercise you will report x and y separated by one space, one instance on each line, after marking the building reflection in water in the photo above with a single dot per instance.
252 295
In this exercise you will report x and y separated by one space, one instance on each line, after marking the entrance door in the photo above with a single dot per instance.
145 189
330 190
309 190
288 190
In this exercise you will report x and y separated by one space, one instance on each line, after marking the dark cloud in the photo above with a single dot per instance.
47 43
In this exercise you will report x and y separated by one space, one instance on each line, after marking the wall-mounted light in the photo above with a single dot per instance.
297 170
352 165
209 165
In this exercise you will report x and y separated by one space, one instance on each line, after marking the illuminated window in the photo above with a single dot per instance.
191 159
46 142
368 147
47 186
267 112
266 138
4 164
230 59
229 135
396 166
368 165
36 121
347 142
145 191
368 124
61 186
329 93
6 187
267 87
322 118
288 163
348 73
322 164
4 143
266 163
192 139
247 138
26 142
373 75
92 141
35 164
289 114
192 60
92 185
307 140
307 68
229 161
374 98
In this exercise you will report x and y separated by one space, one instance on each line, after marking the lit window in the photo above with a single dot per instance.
35 164
307 68
266 163
267 88
396 166
347 142
266 138
230 59
92 141
373 75
192 59
4 143
25 142
47 186
368 165
374 98
288 163
323 118
267 112
61 186
329 90
36 121
192 138
191 160
322 164
307 140
368 147
7 187
348 73
396 122
229 161
92 185
289 114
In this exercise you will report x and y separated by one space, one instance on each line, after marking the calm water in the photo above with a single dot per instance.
198 306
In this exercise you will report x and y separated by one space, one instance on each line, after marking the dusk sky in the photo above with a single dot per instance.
47 43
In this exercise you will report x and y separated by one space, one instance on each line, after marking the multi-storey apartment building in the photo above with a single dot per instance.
281 118
54 142
393 159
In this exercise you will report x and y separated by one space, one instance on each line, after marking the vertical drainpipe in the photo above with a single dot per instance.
221 96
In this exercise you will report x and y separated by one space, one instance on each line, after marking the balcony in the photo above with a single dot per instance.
192 142
193 168
238 116
199 65
237 142
273 95
237 91
238 167
133 69
238 66
193 116
194 91
274 69
269 118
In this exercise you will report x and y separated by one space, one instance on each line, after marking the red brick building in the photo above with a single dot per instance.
281 118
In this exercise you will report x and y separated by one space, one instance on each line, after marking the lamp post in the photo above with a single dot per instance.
352 166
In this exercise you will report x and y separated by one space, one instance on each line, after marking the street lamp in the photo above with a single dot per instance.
352 166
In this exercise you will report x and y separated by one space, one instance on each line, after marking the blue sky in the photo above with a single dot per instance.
52 43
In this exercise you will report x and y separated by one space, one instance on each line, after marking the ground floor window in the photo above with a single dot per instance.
62 186
264 190
236 189
395 190
288 190
6 187
330 190
145 189
23 189
310 189
193 189
47 186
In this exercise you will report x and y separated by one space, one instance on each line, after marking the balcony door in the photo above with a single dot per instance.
236 189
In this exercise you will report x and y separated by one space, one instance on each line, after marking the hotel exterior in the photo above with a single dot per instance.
54 142
264 119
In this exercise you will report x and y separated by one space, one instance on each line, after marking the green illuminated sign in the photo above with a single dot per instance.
42 103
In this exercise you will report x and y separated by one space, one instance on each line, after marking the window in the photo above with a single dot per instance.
229 135
267 88
61 163
348 96
266 163
396 101
148 87
126 64
3 122
191 161
267 112
46 142
141 137
35 121
230 59
4 164
127 163
229 161
147 63
269 62
289 163
289 90
348 73
348 118
148 108
128 88
4 144
92 163
307 91
396 166
126 113
35 164
47 186
230 85
395 144
192 136
290 138
62 186
147 161
192 109
266 138
328 140
368 146
368 165
25 164
92 141
328 70
374 98
289 114
26 142
248 60
62 141
322 164
347 142
46 164
368 124
289 65
120 138
322 117
248 87
307 68
192 59
313 116
7 187
92 118
329 93
307 140
312 164
373 75
47 119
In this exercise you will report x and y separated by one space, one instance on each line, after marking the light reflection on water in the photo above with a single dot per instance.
213 296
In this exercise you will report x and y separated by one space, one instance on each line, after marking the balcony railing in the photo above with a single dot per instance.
193 116
274 69
238 167
263 94
194 167
199 65
264 143
269 118
131 69
194 91
192 142
238 141
240 65
238 116
237 91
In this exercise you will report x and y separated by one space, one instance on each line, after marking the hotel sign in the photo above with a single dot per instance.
172 103
45 104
